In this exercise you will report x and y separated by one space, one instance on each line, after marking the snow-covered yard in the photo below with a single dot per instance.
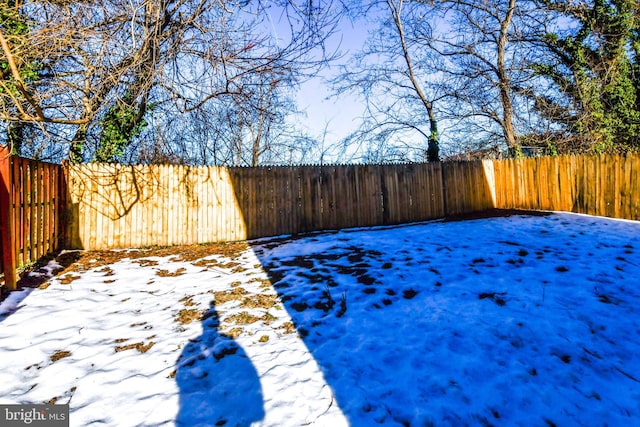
520 320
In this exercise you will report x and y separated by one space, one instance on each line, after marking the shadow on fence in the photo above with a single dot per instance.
131 206
116 206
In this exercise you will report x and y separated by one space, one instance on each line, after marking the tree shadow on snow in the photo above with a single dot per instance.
219 385
318 288
462 332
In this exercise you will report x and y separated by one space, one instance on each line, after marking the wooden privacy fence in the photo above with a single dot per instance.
593 185
99 206
31 211
116 206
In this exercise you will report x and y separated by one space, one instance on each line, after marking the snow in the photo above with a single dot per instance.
521 320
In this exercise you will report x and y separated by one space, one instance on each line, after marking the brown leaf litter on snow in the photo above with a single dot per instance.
60 354
188 315
79 261
140 346
167 273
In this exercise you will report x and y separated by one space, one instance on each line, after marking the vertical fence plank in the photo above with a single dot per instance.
39 167
635 192
7 234
18 209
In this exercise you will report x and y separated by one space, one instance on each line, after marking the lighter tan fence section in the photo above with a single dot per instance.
594 185
115 206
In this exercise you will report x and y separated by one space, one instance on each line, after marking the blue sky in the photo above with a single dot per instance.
340 116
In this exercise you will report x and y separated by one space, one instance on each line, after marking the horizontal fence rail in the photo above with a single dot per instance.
45 207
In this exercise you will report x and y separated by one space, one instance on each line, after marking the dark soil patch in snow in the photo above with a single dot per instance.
409 293
60 354
497 297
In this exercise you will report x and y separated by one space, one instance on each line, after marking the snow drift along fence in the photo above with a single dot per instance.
31 204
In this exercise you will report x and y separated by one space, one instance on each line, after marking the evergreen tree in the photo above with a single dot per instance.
594 70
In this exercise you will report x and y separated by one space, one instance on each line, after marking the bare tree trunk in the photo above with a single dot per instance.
504 83
433 145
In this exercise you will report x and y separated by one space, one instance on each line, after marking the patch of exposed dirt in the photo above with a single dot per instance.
167 273
214 263
67 279
60 354
134 325
188 315
497 297
234 332
146 262
288 328
242 318
234 294
80 261
188 301
260 301
409 293
140 346
227 351
106 270
67 395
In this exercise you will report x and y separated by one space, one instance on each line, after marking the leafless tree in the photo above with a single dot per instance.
460 65
174 57
393 75
482 44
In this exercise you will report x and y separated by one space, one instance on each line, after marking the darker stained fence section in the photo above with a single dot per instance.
32 204
290 200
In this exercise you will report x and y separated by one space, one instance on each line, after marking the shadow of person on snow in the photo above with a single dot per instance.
219 385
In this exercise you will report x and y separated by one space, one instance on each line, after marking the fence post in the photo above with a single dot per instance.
7 234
